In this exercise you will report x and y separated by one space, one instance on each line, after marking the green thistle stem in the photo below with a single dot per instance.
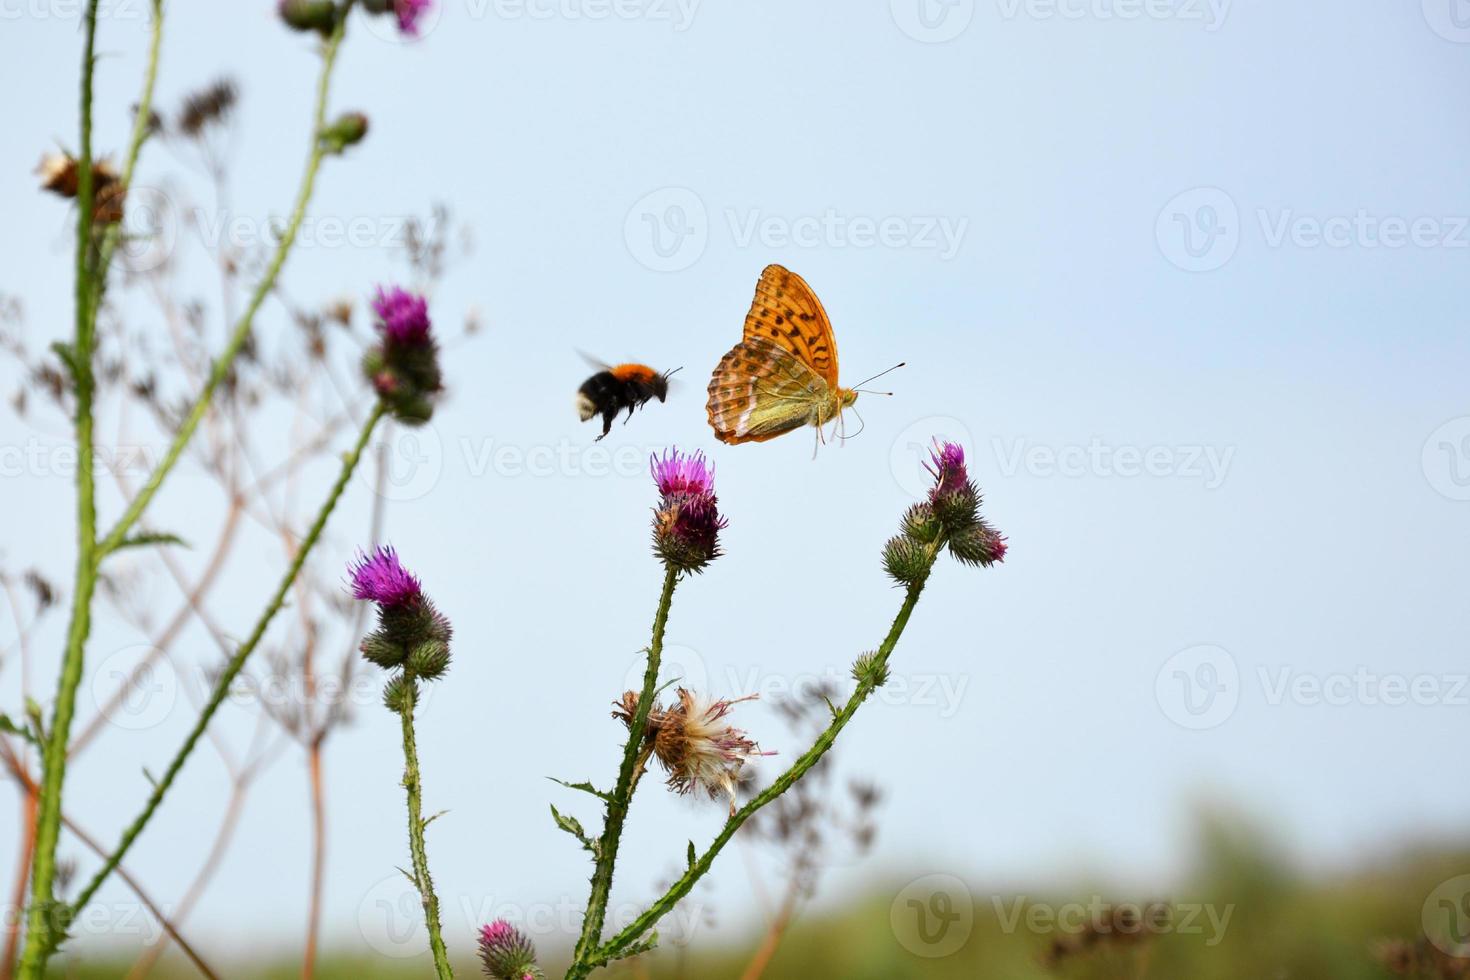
412 783
46 921
617 807
640 926
236 663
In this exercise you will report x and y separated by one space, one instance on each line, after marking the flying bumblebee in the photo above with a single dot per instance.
615 388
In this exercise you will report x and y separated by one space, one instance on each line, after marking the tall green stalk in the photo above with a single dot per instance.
236 663
622 796
590 957
412 783
45 919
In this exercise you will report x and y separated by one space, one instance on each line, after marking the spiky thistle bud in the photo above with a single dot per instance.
955 500
309 15
905 560
404 366
347 130
507 953
411 633
978 545
687 522
870 669
921 524
401 694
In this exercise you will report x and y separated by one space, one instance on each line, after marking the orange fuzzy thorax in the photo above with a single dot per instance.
633 372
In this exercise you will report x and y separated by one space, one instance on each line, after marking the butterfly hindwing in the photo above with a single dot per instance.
787 312
761 389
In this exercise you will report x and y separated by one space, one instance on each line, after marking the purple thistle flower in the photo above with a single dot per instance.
409 12
381 578
678 473
948 468
507 952
403 316
687 522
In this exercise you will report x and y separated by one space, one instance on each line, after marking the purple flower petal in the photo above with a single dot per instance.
381 578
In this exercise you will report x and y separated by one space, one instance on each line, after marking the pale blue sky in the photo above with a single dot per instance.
1276 385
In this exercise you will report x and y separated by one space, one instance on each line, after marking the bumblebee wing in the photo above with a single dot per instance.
595 363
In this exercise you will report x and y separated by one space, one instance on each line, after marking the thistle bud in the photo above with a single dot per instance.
870 669
348 129
401 694
905 560
921 524
411 633
309 15
404 366
687 522
507 953
955 500
978 545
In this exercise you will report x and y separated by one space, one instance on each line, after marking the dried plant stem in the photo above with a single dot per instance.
221 366
772 941
629 937
412 783
42 926
617 806
318 855
236 663
22 878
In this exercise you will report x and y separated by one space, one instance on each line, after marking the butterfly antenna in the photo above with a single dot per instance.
859 386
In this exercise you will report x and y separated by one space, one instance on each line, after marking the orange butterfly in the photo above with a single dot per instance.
783 373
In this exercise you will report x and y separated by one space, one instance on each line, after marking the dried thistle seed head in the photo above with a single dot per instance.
698 750
209 106
905 560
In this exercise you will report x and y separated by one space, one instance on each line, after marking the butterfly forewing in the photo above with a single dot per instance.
787 312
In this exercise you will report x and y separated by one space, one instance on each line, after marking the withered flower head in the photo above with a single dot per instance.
692 742
211 104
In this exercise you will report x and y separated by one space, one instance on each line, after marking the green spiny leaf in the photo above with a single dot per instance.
149 538
585 787
7 724
574 827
